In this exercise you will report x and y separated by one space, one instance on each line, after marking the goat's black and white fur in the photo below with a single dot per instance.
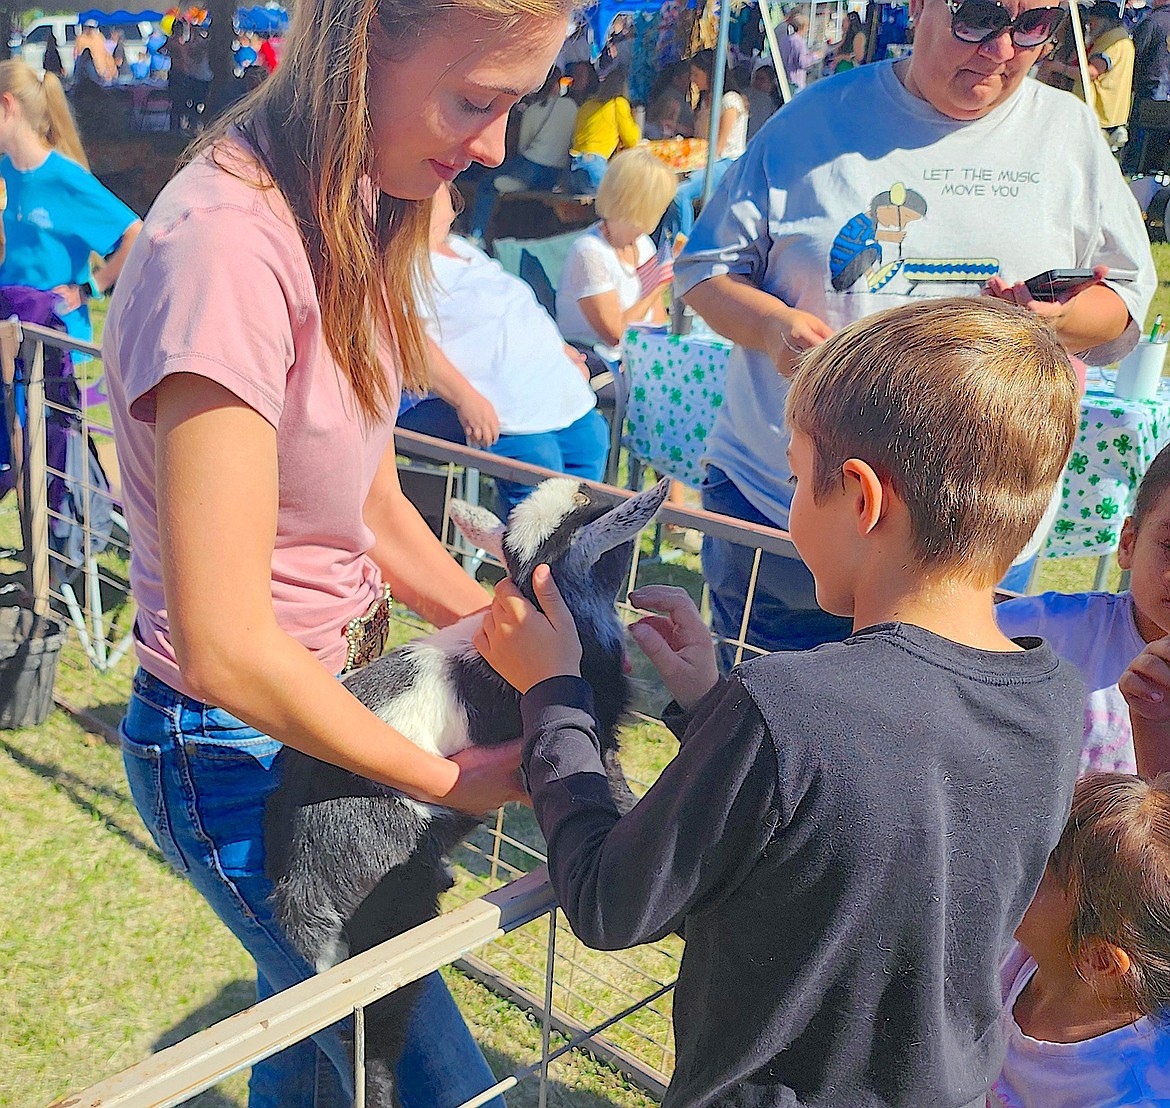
355 862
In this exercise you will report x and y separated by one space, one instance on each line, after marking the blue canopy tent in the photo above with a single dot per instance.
266 20
106 19
599 16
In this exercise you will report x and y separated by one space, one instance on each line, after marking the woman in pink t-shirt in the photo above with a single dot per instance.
255 349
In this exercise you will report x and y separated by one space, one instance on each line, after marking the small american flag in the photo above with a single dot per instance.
658 270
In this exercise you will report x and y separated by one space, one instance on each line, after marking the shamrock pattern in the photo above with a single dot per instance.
676 387
1117 440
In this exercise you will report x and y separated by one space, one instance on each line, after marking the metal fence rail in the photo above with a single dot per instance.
617 1004
202 1060
84 577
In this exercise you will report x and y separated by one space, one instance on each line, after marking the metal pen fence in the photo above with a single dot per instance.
500 922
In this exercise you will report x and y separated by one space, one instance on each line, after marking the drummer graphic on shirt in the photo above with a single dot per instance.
867 254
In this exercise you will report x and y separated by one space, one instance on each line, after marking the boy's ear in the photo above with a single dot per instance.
872 495
1125 545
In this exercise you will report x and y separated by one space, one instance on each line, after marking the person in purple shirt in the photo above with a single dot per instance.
795 52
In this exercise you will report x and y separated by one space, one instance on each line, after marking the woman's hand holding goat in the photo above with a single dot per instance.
488 777
677 642
524 645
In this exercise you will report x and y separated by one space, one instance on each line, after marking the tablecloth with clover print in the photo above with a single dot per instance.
1116 441
675 385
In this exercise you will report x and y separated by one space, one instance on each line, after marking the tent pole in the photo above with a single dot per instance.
1074 15
219 47
716 97
774 50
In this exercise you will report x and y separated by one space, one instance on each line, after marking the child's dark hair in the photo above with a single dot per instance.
1113 860
1155 481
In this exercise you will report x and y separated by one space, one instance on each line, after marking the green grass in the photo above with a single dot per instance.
110 955
1160 305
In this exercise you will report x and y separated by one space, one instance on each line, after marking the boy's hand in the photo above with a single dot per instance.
523 644
677 642
1146 683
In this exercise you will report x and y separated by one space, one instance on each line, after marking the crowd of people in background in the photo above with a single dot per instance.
178 59
1128 65
592 108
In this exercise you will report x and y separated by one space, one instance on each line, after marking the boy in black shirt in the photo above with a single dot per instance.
849 834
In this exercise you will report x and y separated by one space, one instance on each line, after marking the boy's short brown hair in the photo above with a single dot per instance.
967 406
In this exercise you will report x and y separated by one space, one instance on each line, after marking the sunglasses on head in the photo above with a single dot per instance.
978 21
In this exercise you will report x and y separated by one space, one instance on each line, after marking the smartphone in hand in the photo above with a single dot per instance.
1055 284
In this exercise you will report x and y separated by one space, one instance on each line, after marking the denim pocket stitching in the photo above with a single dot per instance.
147 752
214 751
161 832
195 820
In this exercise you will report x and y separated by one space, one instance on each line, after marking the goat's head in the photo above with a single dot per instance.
586 541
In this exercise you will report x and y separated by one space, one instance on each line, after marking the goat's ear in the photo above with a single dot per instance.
480 527
621 523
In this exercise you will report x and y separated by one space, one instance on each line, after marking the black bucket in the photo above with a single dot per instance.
29 646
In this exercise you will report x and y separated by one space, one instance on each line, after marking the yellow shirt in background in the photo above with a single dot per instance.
602 125
1113 90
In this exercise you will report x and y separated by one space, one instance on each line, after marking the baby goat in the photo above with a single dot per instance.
355 862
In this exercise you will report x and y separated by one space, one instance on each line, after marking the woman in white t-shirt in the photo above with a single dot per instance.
613 276
730 141
502 379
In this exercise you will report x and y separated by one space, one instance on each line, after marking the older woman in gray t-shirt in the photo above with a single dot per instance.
941 174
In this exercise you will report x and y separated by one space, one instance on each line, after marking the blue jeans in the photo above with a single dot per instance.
585 172
200 778
531 174
785 615
580 450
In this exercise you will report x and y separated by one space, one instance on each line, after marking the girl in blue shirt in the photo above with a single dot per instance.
58 213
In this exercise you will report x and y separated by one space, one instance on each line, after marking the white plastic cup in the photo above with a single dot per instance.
1140 372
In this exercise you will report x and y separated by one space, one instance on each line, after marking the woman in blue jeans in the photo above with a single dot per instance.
255 349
